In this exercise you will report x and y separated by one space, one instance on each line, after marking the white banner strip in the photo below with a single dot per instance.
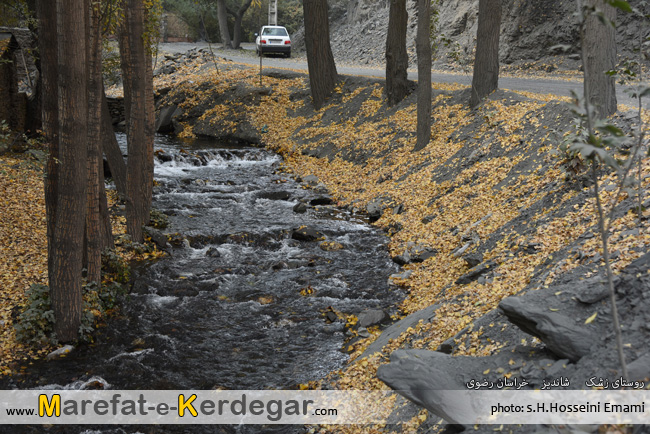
234 407
192 407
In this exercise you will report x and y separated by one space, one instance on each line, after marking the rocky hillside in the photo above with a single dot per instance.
529 29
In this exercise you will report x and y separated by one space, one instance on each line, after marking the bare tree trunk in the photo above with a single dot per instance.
126 67
149 131
46 11
423 48
112 150
239 16
320 61
396 56
203 32
95 95
105 228
486 64
34 109
600 49
65 288
222 17
138 99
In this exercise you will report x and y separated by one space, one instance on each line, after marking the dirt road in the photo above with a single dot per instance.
559 87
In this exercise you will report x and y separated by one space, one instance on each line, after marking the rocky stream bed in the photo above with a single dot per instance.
253 294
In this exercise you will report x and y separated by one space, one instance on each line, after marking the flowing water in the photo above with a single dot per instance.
225 309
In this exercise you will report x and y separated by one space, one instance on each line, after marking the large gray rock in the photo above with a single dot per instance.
563 336
376 207
157 236
59 353
310 179
639 370
414 254
426 377
165 121
422 253
476 272
426 315
593 290
370 317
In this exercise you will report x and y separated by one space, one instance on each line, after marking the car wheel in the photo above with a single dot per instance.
288 55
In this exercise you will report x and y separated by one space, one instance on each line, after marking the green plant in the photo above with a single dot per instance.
5 132
97 300
35 323
158 219
571 162
111 63
116 266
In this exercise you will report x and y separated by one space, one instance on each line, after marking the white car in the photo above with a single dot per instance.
273 39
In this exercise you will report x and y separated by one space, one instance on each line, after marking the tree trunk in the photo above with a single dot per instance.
34 109
95 96
138 98
112 150
423 48
65 287
320 61
149 131
600 51
105 228
396 56
127 69
239 16
486 63
47 44
222 16
203 32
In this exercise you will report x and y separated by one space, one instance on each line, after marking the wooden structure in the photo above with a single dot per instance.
20 109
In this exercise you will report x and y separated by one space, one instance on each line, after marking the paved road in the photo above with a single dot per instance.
557 87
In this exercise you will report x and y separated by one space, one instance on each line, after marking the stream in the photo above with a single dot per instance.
238 304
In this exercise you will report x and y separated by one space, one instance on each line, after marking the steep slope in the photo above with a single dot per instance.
529 30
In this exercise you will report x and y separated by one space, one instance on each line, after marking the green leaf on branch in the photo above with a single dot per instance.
620 4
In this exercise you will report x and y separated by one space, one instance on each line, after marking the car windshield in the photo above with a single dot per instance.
275 31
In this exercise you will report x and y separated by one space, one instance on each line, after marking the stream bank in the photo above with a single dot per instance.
489 210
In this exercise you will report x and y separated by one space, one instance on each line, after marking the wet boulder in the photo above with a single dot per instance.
212 252
274 195
60 352
300 208
306 233
322 200
163 156
330 246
